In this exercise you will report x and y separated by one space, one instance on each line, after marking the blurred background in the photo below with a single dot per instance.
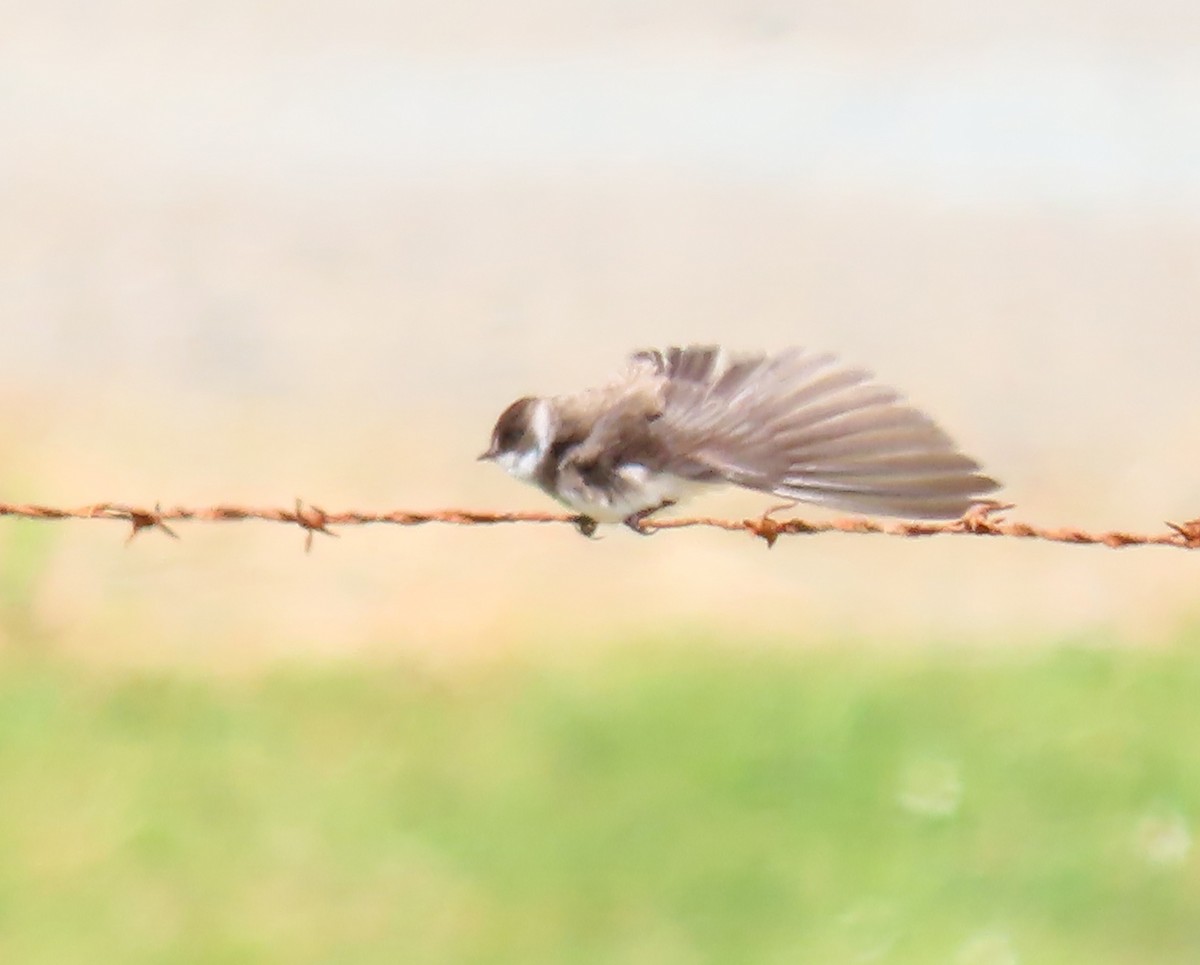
254 251
258 250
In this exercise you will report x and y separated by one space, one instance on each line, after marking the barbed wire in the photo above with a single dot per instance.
984 519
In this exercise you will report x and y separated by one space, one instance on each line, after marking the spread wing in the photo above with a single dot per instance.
802 426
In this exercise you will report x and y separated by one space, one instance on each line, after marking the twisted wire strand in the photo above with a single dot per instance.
985 519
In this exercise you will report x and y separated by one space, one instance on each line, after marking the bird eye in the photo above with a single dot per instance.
512 426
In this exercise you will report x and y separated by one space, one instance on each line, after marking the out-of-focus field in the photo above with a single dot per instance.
251 252
669 801
259 250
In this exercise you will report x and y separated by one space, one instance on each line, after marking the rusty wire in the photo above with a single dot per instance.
984 519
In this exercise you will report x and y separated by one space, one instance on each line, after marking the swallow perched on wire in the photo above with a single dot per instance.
795 424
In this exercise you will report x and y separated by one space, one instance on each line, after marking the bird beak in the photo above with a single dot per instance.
486 456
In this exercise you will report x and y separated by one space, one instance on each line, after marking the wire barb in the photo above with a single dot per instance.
140 519
312 520
1189 532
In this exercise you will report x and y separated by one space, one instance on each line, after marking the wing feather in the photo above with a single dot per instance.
801 426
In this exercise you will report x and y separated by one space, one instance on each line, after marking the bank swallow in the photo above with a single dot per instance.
796 424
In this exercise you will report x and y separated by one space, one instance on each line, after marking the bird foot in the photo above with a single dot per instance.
778 508
586 526
634 520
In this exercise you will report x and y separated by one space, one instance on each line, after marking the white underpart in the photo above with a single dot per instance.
646 490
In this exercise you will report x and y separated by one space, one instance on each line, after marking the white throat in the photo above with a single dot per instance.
522 465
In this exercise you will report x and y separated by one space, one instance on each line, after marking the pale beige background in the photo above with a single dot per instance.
257 250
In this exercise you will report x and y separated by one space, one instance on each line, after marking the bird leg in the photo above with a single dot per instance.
586 525
634 520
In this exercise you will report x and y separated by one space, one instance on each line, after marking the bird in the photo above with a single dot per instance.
796 424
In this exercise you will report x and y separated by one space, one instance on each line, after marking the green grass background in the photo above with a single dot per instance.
664 801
